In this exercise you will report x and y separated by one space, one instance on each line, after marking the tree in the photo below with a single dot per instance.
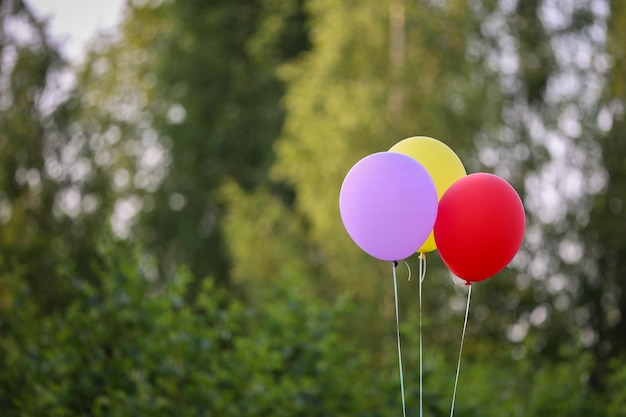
39 201
360 90
515 89
601 291
206 90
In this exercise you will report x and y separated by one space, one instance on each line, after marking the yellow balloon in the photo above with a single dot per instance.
443 165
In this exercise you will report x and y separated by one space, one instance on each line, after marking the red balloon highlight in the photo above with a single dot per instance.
480 226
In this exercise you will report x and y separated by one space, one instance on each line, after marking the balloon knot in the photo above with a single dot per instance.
468 283
395 264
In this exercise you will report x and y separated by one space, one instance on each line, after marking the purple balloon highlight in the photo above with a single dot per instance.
388 205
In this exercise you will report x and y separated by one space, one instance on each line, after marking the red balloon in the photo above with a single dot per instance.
479 227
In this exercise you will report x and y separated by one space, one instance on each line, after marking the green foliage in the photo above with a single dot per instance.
262 220
178 121
40 222
527 387
137 347
219 106
351 96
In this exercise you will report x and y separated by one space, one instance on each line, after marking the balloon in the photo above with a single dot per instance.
388 205
479 227
443 165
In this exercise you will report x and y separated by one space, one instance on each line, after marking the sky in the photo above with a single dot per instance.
76 21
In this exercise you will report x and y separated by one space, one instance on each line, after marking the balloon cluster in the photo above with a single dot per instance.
417 197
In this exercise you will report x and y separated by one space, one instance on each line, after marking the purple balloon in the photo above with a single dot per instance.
388 205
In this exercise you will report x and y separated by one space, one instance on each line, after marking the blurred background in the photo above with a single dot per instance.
170 240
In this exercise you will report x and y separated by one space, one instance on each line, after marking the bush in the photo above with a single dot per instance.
133 347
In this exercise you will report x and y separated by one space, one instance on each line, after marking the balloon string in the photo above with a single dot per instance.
409 268
395 291
422 267
422 259
458 366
